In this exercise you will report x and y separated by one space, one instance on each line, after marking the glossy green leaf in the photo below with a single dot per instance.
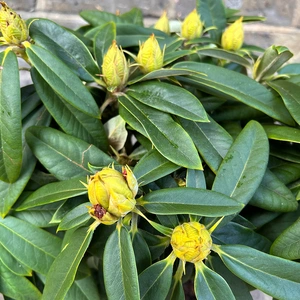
153 166
282 133
289 92
238 176
120 273
169 98
133 16
272 275
195 179
97 17
219 81
174 55
64 45
293 68
287 244
62 80
63 270
75 217
210 285
103 40
10 118
66 157
273 195
211 140
189 201
71 120
167 136
53 192
287 172
41 246
212 13
156 280
273 58
17 287
30 100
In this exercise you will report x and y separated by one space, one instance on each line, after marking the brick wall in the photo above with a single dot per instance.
282 26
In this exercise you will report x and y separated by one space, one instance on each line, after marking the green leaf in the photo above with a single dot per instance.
76 217
287 244
66 157
156 280
153 166
167 136
195 179
62 80
238 176
63 270
273 195
219 81
64 45
212 13
41 246
17 287
189 201
71 120
169 98
274 276
134 16
120 273
293 68
55 191
273 58
282 133
289 92
210 285
10 118
211 140
97 17
103 40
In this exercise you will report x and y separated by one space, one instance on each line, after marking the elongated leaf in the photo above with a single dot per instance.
273 195
134 16
169 98
220 81
293 68
287 244
156 280
238 176
97 17
120 273
153 166
10 118
283 133
116 132
70 119
63 270
289 92
167 136
272 275
195 179
41 246
210 285
64 45
62 80
53 192
189 201
17 287
69 155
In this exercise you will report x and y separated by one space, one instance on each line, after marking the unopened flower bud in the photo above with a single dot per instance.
115 68
233 36
163 23
150 56
191 26
112 194
12 26
191 242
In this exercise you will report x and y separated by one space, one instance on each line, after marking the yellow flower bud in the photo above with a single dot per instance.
163 23
191 26
112 194
191 242
150 56
233 36
12 26
115 68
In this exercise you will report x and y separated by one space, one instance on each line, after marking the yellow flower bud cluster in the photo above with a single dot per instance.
112 194
192 26
115 68
12 26
191 242
233 36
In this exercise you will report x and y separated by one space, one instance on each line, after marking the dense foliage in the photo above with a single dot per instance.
141 162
